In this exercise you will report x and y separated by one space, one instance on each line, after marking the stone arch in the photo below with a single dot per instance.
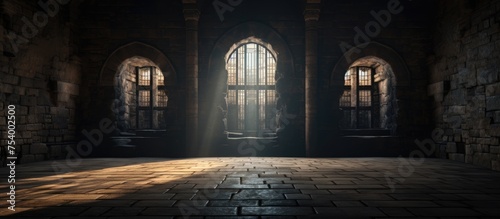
285 66
110 87
216 81
372 51
113 62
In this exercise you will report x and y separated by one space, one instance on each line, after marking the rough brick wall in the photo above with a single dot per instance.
464 81
40 75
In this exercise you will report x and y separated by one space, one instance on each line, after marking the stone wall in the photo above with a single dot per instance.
40 75
403 41
110 33
464 81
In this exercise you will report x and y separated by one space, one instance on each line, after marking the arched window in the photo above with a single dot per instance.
369 99
141 97
251 88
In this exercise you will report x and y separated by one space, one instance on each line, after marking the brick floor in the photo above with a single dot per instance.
254 188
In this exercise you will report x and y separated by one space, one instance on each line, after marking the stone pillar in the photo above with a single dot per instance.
311 16
191 16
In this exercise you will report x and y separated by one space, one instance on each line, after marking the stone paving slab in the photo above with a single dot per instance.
153 188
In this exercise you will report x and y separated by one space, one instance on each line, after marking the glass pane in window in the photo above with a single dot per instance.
365 98
262 109
144 98
241 65
365 77
144 76
346 118
231 70
161 99
271 69
241 109
144 119
345 100
364 119
270 109
159 119
251 64
262 65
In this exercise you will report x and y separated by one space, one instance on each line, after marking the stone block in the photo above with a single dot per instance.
493 89
495 165
457 157
25 149
68 88
38 148
435 88
487 74
482 159
39 157
6 88
21 111
457 97
55 151
493 103
26 82
28 100
495 149
10 79
451 147
496 116
456 110
28 158
494 141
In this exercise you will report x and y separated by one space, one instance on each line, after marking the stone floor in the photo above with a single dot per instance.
254 188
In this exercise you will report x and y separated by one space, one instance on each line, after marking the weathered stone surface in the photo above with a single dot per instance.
482 159
495 149
28 158
38 148
488 74
457 157
493 89
493 103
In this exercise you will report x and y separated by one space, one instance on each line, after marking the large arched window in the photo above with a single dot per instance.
251 87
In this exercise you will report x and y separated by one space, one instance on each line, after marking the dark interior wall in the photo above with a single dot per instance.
113 31
403 40
41 75
464 81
